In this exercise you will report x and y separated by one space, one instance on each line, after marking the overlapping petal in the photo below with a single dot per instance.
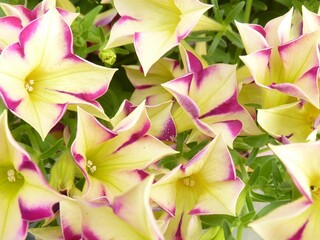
208 97
149 87
283 60
129 216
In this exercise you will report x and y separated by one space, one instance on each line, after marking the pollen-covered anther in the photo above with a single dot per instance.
29 85
11 175
91 167
189 182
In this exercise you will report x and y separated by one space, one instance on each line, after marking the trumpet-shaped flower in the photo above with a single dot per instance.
208 97
40 76
19 16
207 184
281 62
24 193
298 121
155 27
149 87
129 216
112 161
162 124
299 219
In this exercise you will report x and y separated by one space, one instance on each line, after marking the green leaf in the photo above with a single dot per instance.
257 141
254 176
88 20
259 5
215 43
227 231
210 233
247 217
270 207
234 13
252 156
261 197
234 38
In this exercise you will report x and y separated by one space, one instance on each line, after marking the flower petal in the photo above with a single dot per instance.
291 120
299 56
286 222
141 216
301 163
10 30
252 36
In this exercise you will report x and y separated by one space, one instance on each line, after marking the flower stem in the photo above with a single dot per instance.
247 11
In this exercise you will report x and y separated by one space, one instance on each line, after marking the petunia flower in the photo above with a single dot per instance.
24 193
299 219
208 98
40 75
19 16
113 161
298 121
149 87
156 27
129 216
283 63
206 184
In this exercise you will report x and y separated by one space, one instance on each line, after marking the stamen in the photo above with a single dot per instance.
189 182
29 85
11 175
91 167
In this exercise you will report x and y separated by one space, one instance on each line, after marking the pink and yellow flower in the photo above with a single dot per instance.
282 62
155 27
113 161
40 77
24 193
206 184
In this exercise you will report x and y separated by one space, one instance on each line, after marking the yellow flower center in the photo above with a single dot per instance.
91 167
188 181
315 191
29 85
